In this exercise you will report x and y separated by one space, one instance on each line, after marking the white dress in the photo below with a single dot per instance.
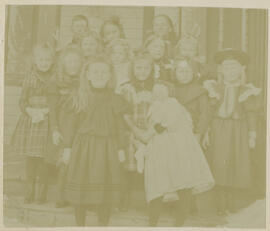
174 159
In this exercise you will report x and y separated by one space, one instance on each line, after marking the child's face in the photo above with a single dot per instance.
89 46
72 64
99 74
161 26
188 49
118 54
183 72
156 49
142 69
43 61
231 70
160 92
110 32
79 27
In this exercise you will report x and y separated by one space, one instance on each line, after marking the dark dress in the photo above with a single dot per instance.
194 97
63 115
229 153
94 174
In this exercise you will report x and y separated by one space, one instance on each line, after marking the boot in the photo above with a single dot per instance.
30 192
61 182
104 213
42 193
124 203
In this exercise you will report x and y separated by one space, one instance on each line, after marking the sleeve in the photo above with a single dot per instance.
121 107
68 125
252 106
251 102
23 101
53 97
205 114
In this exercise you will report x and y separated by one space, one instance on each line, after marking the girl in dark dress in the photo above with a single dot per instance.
163 28
233 130
158 50
94 174
30 137
62 91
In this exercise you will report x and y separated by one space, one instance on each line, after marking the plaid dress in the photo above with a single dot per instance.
140 100
29 138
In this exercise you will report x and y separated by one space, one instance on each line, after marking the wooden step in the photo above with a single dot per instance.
46 215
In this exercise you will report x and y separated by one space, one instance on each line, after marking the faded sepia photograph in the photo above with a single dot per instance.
134 116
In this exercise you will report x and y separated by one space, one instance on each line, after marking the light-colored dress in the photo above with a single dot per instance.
174 159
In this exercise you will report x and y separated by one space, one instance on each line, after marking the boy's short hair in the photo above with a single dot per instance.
80 17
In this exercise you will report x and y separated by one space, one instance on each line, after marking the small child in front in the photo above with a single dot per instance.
175 166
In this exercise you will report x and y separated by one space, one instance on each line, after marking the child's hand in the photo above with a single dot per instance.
252 139
206 140
252 143
66 156
121 156
57 137
37 117
29 111
198 137
159 128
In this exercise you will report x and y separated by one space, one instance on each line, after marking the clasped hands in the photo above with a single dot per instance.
37 114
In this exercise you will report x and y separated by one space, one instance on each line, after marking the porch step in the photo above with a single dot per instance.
17 214
15 187
14 175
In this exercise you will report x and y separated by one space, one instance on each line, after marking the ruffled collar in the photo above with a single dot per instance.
216 90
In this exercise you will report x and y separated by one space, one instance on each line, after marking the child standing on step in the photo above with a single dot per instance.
233 127
175 166
158 50
163 27
62 90
111 29
94 173
30 137
120 54
138 92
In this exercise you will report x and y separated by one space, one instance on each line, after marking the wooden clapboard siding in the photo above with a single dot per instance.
232 28
48 21
212 33
148 15
11 111
130 17
257 47
191 16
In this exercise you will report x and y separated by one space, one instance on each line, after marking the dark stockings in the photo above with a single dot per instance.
80 214
126 190
225 199
35 167
104 212
182 208
61 182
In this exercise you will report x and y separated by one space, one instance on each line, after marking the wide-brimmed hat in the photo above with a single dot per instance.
230 53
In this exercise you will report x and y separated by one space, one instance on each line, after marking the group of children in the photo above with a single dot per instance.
101 112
